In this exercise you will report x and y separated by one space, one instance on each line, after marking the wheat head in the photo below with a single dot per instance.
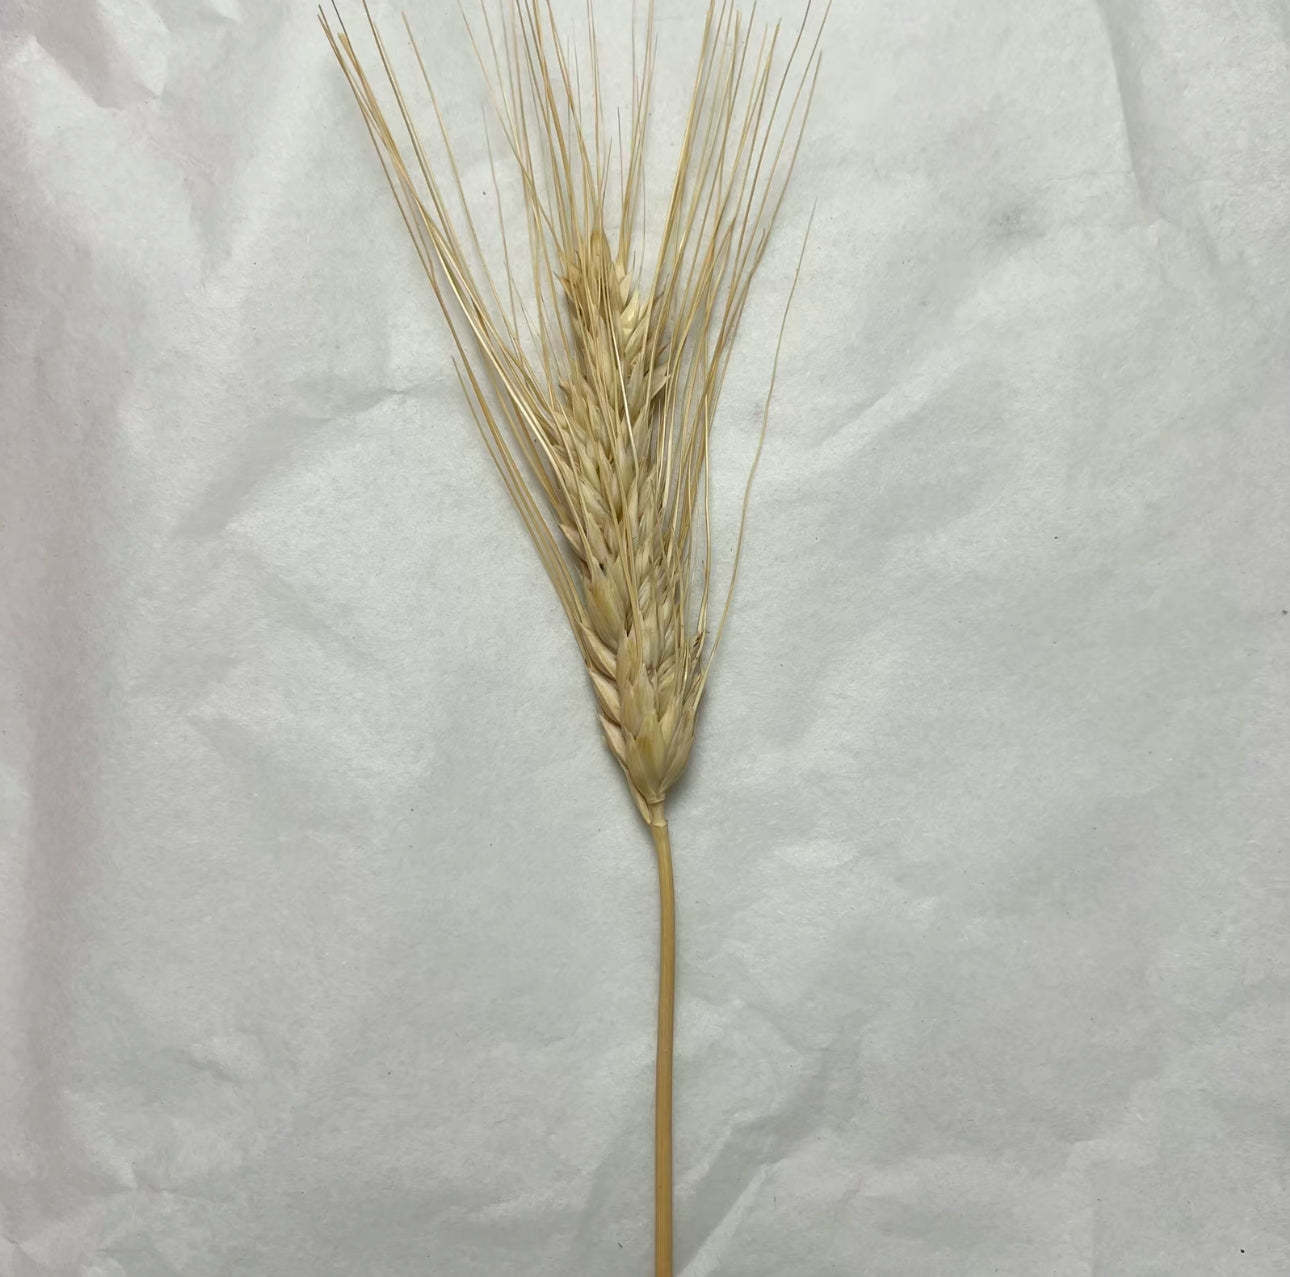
596 395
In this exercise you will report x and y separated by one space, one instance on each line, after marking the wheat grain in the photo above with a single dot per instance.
596 398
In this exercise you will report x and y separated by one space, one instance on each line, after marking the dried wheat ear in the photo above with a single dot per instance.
596 393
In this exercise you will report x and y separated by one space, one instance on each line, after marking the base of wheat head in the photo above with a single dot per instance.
593 360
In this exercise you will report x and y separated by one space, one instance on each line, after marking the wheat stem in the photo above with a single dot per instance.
663 1060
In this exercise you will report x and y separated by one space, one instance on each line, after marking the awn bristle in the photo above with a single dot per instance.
597 399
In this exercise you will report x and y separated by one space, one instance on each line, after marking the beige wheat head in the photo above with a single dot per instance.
596 391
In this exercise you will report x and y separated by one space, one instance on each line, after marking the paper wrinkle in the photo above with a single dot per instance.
982 912
1146 138
116 53
722 1189
1136 138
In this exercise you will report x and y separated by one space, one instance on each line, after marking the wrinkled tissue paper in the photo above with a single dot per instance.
328 928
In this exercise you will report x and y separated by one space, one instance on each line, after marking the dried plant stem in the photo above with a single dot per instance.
663 1060
593 368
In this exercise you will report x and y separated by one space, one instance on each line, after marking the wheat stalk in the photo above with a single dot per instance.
596 396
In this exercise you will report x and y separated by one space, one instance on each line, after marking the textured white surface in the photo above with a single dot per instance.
326 926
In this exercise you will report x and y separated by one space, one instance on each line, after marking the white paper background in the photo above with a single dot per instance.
328 929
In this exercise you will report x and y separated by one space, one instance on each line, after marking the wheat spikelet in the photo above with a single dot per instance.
596 395
642 662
